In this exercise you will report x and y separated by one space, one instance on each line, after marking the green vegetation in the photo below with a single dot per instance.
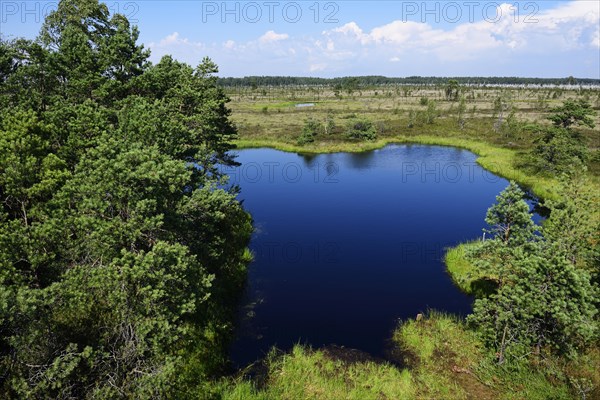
542 300
122 255
448 360
452 90
324 374
509 219
310 130
534 330
121 258
361 129
560 148
464 274
574 223
441 358
362 81
542 305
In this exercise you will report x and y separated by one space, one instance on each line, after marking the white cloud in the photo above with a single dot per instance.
350 29
554 42
317 67
173 40
596 39
569 26
271 36
182 49
170 39
399 32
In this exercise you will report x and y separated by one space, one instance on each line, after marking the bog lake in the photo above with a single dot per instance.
348 244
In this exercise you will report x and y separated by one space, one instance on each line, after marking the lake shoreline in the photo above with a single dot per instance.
495 159
356 177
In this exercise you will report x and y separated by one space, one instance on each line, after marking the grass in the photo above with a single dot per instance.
460 269
442 355
314 374
438 357
463 272
449 361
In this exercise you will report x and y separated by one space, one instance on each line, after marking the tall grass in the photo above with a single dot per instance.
460 269
312 374
442 359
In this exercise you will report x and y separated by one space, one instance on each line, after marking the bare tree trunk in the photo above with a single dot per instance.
502 346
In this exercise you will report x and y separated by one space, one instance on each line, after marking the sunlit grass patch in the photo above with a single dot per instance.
311 374
464 273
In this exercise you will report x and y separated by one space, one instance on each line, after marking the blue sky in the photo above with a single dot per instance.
342 38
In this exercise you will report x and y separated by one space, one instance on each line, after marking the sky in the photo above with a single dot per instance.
351 38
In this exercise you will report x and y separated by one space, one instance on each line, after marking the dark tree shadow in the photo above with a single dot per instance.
483 287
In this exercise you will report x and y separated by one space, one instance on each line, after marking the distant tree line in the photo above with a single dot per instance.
375 80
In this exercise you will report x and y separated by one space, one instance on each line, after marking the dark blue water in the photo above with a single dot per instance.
347 244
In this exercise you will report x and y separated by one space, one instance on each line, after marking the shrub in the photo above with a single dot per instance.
309 131
361 129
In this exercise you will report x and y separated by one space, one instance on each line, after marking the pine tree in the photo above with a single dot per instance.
573 228
120 252
561 148
509 218
546 305
542 302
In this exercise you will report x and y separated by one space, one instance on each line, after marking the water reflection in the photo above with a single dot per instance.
362 160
